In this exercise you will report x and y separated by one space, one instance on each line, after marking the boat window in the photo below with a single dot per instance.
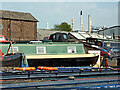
13 50
2 39
53 38
41 50
57 37
65 36
71 49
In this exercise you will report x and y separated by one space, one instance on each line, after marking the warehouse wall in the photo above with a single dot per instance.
19 30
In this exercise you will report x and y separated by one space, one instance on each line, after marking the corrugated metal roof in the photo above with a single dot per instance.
77 35
17 16
101 36
81 35
84 34
94 35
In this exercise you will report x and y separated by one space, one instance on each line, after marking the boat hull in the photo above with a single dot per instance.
11 60
65 62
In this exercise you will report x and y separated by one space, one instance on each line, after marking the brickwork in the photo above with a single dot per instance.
19 30
18 26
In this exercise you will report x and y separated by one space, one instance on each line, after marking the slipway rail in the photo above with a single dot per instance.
47 84
64 78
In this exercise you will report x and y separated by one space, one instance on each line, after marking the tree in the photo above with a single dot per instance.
63 27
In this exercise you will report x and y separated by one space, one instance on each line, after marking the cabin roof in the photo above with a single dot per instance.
17 16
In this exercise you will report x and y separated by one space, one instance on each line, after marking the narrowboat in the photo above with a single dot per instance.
57 51
54 54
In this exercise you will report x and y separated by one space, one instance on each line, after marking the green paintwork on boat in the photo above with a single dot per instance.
47 48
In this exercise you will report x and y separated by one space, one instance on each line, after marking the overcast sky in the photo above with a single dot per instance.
102 13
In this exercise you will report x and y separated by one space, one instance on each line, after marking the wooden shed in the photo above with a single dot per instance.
18 26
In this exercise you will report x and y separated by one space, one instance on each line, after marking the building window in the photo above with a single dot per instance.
71 49
41 50
13 50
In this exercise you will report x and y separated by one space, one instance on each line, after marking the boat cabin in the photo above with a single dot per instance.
95 41
59 37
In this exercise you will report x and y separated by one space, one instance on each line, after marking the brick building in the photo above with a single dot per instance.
18 26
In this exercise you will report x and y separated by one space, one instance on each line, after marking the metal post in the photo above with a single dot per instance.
47 26
103 33
106 62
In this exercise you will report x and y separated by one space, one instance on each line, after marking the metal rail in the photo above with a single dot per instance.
57 74
61 78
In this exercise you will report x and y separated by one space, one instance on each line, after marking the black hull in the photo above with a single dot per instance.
66 62
11 60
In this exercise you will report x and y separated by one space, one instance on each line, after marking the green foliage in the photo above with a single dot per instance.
63 27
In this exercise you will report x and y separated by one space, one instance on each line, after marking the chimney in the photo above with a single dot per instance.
81 20
72 24
89 24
